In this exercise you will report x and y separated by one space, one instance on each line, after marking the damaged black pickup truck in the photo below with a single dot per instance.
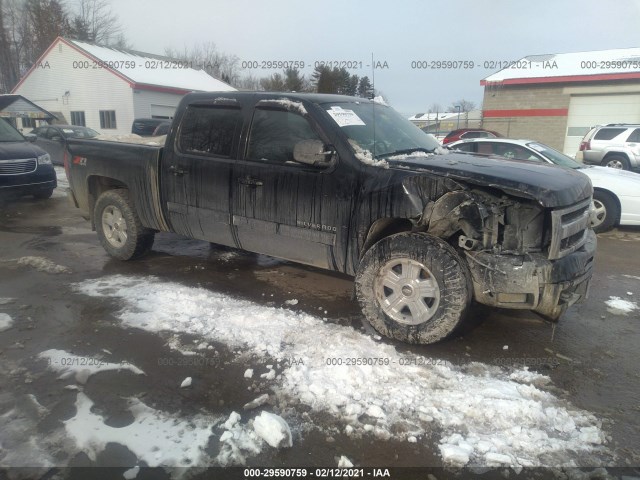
348 184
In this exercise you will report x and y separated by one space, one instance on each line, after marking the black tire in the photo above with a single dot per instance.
136 241
607 211
43 194
441 270
616 161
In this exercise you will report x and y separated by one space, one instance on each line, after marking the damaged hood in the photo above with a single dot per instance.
549 185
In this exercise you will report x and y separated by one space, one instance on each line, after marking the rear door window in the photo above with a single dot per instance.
207 130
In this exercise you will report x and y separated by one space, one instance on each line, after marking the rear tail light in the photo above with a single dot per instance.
586 145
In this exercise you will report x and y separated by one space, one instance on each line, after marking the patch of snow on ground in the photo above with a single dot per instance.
477 409
61 176
79 367
6 322
273 430
155 437
619 306
43 264
19 448
238 441
131 473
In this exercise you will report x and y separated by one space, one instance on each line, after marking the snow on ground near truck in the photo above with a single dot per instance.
80 367
481 413
157 438
6 322
620 306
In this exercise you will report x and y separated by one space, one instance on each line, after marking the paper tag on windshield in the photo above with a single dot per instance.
345 118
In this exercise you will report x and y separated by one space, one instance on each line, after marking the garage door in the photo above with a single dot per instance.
585 111
162 111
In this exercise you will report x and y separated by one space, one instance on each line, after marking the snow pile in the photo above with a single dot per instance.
43 264
478 409
81 368
6 322
286 103
273 430
619 306
133 138
238 441
154 437
366 157
380 100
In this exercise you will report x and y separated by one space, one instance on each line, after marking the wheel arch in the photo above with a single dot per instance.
96 186
385 227
614 197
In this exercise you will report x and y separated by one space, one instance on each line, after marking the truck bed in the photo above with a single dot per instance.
94 164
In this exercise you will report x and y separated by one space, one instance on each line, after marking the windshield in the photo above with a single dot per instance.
555 156
394 134
8 133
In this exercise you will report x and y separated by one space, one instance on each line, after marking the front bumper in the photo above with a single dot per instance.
533 282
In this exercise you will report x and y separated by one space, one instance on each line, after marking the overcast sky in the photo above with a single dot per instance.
398 32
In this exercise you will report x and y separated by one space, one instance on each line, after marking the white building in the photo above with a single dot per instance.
106 88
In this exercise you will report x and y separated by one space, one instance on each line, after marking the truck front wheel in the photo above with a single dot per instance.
119 229
414 287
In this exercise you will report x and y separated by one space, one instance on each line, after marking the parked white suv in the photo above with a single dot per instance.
615 145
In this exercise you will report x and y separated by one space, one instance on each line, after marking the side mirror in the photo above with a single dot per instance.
30 137
311 152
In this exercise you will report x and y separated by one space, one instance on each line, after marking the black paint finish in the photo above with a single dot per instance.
321 215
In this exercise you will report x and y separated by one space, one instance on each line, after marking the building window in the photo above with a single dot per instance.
28 122
108 119
77 118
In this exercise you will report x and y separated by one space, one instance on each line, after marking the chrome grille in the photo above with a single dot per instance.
18 167
569 228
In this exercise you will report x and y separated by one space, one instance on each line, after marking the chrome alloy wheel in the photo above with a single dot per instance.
615 163
114 226
407 291
599 214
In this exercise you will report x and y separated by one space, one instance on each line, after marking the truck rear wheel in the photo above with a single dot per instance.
119 229
414 287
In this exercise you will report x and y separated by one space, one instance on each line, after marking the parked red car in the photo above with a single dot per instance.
464 133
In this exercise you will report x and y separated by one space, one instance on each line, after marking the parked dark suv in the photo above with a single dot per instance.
146 126
25 169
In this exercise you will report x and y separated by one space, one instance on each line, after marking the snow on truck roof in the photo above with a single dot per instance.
154 70
617 64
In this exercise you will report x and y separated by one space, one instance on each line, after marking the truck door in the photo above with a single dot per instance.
281 207
196 170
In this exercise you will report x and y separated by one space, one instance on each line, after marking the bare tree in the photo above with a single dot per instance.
207 57
435 108
465 106
93 21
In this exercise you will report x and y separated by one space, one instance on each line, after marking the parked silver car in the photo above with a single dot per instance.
615 145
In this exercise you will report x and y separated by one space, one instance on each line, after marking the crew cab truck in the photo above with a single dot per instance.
349 185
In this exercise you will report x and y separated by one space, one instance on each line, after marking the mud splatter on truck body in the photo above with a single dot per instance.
240 169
